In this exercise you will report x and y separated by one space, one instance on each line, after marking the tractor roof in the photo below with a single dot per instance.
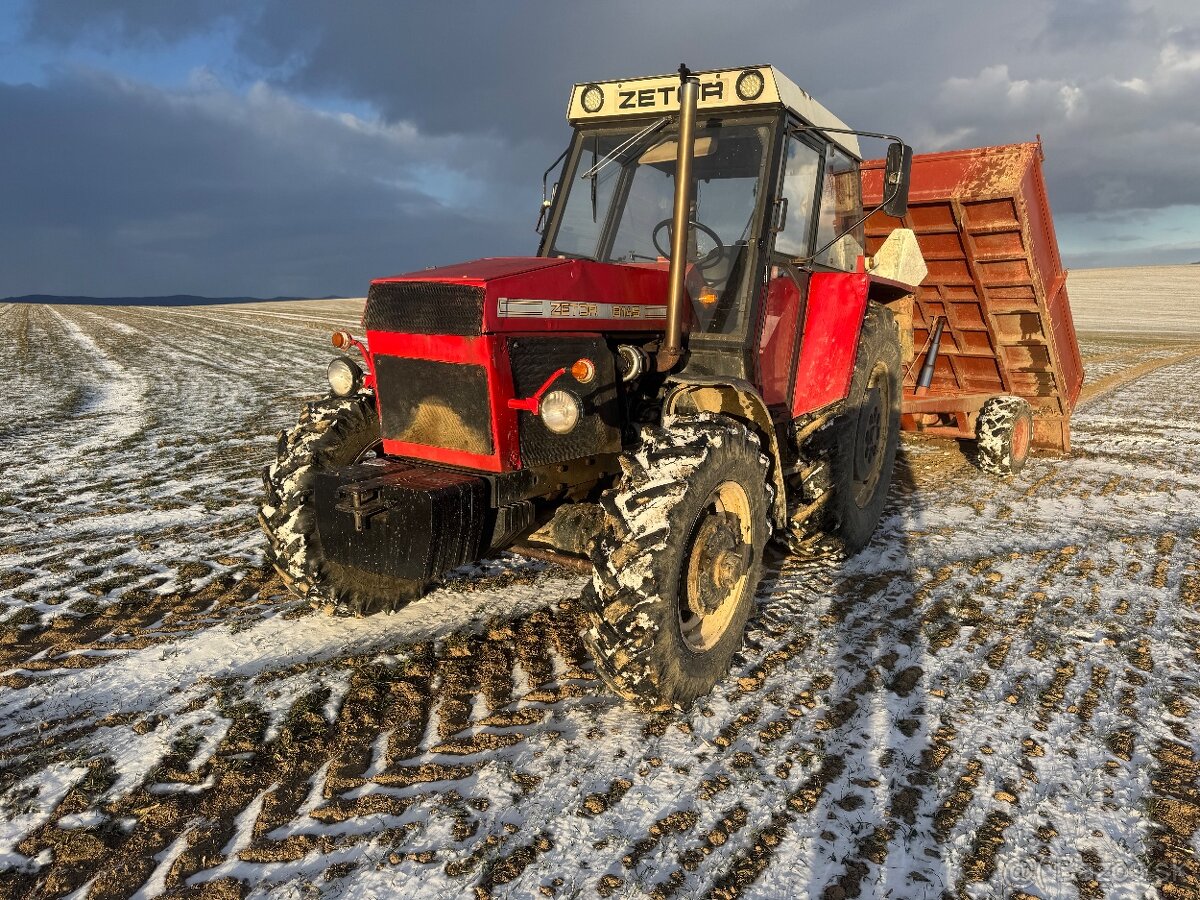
752 87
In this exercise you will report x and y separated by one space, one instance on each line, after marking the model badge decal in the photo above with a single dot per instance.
573 309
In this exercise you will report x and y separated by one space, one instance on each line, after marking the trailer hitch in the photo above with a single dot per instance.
362 503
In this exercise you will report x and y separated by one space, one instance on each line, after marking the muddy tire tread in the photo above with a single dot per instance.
328 431
994 433
643 512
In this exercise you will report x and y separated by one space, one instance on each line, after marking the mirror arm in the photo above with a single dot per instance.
870 134
805 261
541 220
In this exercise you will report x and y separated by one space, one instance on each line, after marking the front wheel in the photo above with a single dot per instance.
332 432
678 561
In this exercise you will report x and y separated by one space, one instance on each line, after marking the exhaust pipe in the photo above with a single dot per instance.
671 349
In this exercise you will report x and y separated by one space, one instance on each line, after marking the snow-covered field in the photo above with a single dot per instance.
998 699
1157 300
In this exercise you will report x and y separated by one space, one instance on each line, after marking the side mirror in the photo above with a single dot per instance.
540 227
897 175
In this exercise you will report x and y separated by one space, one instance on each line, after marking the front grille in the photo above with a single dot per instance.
424 307
533 360
436 404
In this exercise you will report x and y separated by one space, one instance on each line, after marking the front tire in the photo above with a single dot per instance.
678 561
867 433
331 433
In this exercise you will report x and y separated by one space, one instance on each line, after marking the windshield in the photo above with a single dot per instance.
622 212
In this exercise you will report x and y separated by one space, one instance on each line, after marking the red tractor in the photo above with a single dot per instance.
699 357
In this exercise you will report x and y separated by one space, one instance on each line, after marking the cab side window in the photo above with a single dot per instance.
800 170
841 207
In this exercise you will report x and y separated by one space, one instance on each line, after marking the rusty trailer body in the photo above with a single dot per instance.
983 224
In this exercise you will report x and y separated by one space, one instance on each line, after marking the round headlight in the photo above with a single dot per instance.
592 99
345 377
560 411
750 85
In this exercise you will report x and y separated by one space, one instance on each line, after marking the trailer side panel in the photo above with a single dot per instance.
983 222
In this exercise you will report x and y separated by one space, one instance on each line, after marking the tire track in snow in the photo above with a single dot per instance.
446 764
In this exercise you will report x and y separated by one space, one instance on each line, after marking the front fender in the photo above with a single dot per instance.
738 399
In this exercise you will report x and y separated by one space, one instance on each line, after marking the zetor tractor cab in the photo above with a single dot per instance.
698 358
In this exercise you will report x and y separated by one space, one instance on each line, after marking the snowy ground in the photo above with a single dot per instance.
997 699
1163 301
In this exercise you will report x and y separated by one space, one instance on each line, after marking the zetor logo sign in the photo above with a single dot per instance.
664 96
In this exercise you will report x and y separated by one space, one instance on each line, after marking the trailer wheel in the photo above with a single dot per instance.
331 432
1003 433
866 435
678 560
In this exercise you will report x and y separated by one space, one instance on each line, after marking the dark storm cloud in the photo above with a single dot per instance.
483 65
1109 84
127 20
130 189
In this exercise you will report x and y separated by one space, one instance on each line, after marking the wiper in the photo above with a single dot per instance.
627 147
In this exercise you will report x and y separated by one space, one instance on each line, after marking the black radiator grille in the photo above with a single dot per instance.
424 307
533 360
435 404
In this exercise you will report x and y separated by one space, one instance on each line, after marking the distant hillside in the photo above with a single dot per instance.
173 300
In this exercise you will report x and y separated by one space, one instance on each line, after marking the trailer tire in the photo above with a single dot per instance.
866 434
678 560
331 432
1003 433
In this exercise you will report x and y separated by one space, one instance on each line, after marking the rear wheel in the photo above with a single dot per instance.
866 434
1003 434
678 561
331 433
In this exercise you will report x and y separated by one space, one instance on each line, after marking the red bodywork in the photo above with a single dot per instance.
587 292
837 302
983 223
588 298
577 281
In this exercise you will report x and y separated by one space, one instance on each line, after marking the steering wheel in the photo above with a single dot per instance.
708 260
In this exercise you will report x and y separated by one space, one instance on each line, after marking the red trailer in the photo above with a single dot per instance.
983 224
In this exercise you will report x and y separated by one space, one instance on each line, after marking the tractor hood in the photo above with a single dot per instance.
525 294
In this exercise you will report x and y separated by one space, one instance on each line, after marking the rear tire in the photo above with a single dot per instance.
866 434
331 433
1003 434
678 561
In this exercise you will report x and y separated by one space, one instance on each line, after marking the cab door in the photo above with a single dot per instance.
786 289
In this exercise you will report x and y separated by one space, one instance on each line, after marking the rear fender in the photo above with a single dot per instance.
738 399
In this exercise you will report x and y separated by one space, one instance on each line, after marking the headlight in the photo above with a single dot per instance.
560 411
750 84
592 98
345 377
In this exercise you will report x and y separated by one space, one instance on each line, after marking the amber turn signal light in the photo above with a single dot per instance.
708 296
583 371
341 339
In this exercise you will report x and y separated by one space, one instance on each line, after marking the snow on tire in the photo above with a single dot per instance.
331 432
1002 435
678 560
